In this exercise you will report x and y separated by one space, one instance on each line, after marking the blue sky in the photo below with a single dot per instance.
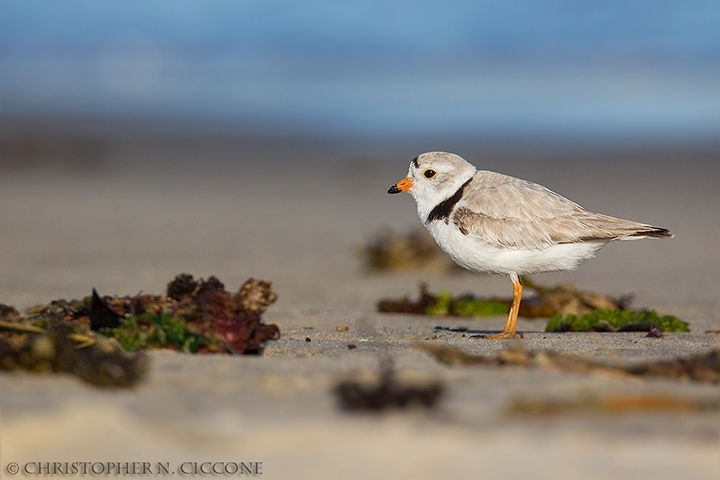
646 69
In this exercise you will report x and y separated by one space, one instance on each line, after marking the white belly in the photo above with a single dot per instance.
475 254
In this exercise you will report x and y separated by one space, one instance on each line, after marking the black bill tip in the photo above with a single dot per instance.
394 189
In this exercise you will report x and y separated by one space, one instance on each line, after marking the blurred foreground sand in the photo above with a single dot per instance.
152 210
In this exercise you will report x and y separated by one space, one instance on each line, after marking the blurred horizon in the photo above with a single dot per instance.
619 71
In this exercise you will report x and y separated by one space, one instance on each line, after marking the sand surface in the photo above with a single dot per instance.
149 211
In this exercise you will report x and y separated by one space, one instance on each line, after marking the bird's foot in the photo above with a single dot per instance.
501 336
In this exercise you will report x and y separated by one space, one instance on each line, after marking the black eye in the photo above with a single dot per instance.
429 173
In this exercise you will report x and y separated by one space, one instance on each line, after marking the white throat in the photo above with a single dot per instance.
429 198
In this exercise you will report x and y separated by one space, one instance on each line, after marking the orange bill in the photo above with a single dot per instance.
402 186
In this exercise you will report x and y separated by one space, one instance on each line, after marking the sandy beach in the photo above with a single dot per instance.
131 213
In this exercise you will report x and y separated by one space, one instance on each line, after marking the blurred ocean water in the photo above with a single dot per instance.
563 69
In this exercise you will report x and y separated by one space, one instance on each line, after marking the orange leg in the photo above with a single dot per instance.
511 325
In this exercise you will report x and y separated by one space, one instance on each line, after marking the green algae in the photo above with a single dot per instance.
160 331
466 306
616 320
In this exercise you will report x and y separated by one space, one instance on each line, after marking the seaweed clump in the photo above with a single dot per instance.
569 308
567 299
54 345
616 321
547 301
444 303
194 316
198 316
98 338
391 251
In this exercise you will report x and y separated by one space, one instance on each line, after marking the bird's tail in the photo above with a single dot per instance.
652 232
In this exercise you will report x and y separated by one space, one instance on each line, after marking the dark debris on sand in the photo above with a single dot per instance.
701 368
386 394
53 345
612 404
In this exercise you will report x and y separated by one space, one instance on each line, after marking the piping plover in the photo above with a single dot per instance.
490 222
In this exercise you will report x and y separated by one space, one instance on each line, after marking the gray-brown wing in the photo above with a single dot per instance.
513 213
